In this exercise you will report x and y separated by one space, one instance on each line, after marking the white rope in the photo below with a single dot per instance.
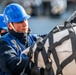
13 27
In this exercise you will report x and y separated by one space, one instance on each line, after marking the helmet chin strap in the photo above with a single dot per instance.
13 27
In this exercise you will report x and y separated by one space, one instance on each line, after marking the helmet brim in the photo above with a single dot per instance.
5 28
20 19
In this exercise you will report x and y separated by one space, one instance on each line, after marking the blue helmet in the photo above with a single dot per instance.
2 23
15 13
